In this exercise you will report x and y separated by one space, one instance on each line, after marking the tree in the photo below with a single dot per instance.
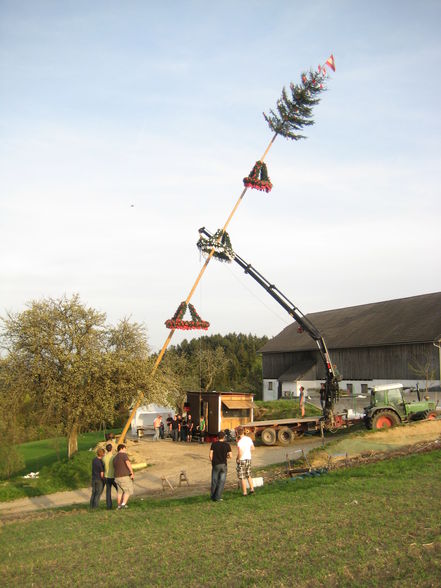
76 370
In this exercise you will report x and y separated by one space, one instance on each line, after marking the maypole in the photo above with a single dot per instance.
293 113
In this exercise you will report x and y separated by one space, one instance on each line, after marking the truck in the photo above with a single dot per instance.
389 407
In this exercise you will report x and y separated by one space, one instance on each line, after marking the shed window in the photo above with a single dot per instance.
270 385
235 412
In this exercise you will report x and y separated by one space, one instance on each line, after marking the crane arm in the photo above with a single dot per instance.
331 385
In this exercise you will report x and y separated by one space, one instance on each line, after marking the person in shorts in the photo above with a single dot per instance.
123 476
243 461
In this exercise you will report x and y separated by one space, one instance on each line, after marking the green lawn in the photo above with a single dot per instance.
57 473
375 525
282 409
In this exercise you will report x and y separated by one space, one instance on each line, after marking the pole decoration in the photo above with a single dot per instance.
295 112
258 178
220 242
177 321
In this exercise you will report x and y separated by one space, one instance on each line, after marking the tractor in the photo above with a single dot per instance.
388 408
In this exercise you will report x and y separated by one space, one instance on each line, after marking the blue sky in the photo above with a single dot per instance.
105 105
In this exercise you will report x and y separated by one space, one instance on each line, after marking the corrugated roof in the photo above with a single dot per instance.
406 320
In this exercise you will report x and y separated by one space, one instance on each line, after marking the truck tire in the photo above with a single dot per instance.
384 419
285 436
268 436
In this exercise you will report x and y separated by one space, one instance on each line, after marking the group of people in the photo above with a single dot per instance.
182 428
112 469
220 453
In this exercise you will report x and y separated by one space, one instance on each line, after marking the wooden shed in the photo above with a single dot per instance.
222 410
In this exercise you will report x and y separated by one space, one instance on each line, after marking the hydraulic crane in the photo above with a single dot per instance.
332 379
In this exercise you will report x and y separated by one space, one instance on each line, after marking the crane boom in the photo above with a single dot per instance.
331 383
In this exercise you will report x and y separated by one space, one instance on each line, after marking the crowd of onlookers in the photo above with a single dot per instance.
181 427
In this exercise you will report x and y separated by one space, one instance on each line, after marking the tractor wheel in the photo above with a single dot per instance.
268 436
431 415
285 436
384 419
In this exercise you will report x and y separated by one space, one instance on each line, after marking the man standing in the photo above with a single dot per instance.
244 448
175 428
220 451
109 475
157 427
123 475
97 478
302 401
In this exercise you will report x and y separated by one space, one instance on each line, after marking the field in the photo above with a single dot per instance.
373 525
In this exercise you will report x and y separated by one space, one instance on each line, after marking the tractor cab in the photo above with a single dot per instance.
388 407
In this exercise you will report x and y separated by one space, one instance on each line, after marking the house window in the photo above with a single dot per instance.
349 388
270 385
364 388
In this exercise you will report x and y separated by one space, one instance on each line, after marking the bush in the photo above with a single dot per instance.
11 461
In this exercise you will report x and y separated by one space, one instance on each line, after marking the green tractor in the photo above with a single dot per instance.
388 408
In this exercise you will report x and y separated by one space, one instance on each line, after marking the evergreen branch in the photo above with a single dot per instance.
294 108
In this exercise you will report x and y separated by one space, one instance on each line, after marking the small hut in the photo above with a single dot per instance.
222 410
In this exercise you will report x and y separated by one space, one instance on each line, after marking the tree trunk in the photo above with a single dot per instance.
72 441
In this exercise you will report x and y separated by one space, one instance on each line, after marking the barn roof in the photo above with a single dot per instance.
406 320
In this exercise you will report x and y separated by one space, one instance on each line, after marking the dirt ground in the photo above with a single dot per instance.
167 460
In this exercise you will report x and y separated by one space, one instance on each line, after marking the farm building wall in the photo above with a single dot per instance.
359 368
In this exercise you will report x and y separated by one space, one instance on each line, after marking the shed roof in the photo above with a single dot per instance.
416 319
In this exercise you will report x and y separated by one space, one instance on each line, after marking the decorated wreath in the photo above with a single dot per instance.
258 178
177 321
220 242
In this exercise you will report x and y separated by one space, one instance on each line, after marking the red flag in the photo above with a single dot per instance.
331 62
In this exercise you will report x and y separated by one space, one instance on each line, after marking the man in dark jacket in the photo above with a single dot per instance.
220 451
97 478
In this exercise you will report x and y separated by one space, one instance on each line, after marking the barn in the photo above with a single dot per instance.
371 344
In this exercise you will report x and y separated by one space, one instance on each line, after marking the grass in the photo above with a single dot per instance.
375 525
57 473
282 409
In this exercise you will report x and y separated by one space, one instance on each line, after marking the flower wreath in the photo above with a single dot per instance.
177 321
220 242
258 178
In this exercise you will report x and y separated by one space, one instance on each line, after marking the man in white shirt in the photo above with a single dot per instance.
244 448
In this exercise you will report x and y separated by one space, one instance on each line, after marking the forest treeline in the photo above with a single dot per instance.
221 362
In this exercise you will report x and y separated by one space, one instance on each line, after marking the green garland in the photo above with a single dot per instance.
258 178
295 112
223 250
177 321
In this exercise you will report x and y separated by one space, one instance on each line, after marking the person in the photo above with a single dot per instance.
109 475
97 478
220 452
184 428
123 475
243 460
175 428
180 427
322 395
161 430
189 428
302 401
156 426
169 422
201 427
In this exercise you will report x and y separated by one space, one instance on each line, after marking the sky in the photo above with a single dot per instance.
127 125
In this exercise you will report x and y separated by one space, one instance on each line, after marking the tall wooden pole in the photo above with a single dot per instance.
187 300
